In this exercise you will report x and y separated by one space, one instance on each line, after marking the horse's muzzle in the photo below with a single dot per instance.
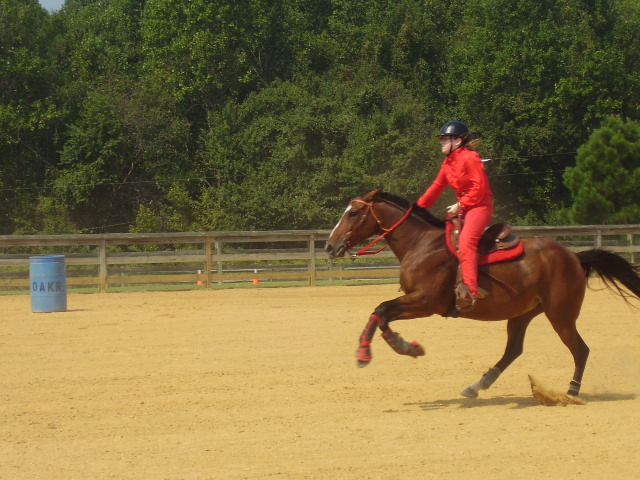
337 251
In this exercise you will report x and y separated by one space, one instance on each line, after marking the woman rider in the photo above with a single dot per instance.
463 170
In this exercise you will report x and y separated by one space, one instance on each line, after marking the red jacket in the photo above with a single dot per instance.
464 171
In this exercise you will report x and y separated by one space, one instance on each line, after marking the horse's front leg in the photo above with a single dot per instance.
363 354
380 318
401 346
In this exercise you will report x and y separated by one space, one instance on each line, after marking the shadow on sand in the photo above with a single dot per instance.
512 401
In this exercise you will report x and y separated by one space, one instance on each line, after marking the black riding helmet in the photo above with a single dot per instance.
454 128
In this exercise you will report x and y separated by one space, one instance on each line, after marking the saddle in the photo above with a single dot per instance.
497 244
495 238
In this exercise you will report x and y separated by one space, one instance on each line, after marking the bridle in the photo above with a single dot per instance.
386 231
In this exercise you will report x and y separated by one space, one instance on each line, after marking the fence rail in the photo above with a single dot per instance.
104 261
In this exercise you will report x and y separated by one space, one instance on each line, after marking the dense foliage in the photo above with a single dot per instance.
169 115
606 179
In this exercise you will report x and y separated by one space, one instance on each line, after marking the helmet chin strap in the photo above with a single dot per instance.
451 149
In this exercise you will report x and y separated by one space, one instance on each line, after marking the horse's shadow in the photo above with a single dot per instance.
512 401
607 397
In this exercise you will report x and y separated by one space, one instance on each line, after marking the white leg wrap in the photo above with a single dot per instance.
485 382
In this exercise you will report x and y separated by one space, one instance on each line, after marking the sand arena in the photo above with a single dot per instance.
262 384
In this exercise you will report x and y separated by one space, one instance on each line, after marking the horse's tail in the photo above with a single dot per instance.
613 270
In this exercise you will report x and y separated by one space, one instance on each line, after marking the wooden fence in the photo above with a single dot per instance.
216 258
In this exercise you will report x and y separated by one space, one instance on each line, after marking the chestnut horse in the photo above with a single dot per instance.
547 278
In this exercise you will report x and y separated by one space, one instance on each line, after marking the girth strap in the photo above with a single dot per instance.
512 291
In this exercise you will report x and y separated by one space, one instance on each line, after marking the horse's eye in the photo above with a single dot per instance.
353 213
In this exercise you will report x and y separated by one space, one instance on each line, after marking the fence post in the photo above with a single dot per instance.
207 252
599 239
312 260
102 268
219 254
330 268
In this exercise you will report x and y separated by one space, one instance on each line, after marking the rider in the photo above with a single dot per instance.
463 170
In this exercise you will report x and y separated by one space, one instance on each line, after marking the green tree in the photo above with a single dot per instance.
127 149
174 115
604 182
29 118
208 52
292 164
99 41
533 78
126 146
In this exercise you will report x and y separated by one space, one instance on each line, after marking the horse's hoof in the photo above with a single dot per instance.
415 350
363 355
470 393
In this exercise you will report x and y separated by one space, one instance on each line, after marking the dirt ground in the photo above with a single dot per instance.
262 383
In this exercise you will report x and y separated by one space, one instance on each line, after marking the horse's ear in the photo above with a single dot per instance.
371 195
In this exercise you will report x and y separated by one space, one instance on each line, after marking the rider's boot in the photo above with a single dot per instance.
465 301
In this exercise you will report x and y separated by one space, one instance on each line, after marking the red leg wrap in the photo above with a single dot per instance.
363 354
370 329
401 346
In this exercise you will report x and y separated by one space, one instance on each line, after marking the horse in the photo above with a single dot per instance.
545 278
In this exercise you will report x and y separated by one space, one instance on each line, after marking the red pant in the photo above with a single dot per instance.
476 220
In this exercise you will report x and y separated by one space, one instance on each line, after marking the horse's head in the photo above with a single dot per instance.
356 224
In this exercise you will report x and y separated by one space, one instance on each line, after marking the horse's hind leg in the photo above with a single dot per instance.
516 330
562 307
579 350
580 358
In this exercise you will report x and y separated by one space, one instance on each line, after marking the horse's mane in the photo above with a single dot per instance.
417 209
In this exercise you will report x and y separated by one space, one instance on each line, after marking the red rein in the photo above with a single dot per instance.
387 231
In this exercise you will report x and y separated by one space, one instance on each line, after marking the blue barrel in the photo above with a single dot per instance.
48 279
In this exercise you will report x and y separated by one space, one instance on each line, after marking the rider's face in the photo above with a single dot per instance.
449 144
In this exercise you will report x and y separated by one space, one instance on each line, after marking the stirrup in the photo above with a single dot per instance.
465 301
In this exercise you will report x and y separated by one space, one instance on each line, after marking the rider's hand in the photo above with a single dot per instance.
453 209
